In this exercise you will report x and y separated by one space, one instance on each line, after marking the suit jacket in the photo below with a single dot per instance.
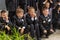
3 23
45 22
18 22
30 20
56 16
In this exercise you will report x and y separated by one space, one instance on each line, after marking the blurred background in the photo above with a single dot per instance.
2 4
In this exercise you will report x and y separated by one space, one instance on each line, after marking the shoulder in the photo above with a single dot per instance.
41 16
1 18
27 15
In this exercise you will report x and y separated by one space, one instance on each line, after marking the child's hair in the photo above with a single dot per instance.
58 6
46 3
30 8
19 10
44 8
4 11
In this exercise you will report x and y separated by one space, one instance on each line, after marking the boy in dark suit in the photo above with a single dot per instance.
56 17
19 21
32 21
45 23
5 22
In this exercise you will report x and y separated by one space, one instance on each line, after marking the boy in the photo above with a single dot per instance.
5 22
18 20
32 21
45 23
56 17
47 5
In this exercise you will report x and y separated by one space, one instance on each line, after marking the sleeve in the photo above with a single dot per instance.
51 26
14 23
9 23
24 24
41 25
36 20
1 26
28 20
13 20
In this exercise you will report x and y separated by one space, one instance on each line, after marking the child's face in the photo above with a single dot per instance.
4 15
32 11
20 15
59 8
47 5
45 12
58 3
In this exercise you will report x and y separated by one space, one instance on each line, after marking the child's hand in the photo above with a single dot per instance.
8 28
51 1
52 30
45 31
34 15
45 1
6 18
22 31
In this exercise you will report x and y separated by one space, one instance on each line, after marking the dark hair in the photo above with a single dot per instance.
3 11
57 7
43 8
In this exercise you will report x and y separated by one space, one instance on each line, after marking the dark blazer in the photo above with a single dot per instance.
45 22
18 22
29 20
56 16
3 23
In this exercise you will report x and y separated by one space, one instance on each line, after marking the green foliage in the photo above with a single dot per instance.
14 36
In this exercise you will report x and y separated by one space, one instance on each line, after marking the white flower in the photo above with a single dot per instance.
32 19
22 19
49 20
44 21
35 18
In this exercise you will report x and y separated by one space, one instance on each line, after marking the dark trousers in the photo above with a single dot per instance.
34 31
46 34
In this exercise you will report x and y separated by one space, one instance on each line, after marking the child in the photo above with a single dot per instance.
5 22
32 21
58 2
19 21
45 23
56 17
47 5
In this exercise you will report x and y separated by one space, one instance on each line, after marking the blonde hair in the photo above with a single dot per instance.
30 8
19 10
